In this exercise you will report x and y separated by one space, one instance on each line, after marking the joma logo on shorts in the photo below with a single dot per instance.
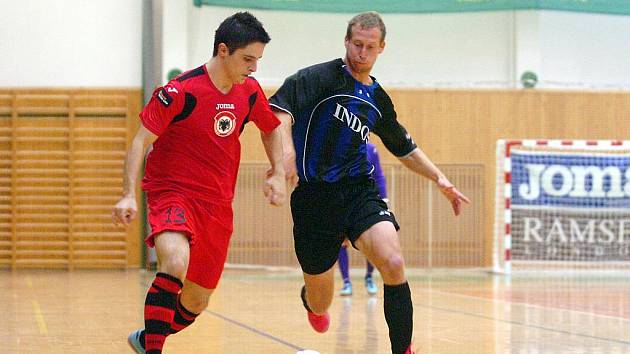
353 122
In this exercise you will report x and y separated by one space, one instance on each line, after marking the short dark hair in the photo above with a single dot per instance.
238 31
367 20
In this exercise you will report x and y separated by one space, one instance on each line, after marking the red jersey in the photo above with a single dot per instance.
198 150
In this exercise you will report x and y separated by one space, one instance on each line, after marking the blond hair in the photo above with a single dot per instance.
367 20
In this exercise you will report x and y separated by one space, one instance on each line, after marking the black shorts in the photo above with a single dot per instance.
324 214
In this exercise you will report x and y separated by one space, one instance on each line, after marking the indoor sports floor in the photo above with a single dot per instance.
260 312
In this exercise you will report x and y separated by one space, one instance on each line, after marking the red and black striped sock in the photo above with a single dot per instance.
159 310
183 318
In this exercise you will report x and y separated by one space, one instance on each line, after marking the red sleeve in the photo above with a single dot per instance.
166 102
262 115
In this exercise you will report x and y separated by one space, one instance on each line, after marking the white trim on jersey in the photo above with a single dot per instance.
284 110
409 154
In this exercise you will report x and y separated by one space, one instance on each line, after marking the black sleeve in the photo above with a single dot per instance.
392 133
304 89
285 99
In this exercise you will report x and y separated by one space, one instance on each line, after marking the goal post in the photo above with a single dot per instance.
562 205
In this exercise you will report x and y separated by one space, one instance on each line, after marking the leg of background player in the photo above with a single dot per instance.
344 269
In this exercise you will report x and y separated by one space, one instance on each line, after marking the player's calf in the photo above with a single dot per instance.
320 323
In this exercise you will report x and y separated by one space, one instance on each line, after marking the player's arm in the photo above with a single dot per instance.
275 188
298 92
166 102
275 185
126 208
399 142
285 103
288 149
418 162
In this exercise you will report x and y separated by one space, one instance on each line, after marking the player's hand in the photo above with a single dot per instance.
452 194
124 211
290 168
275 187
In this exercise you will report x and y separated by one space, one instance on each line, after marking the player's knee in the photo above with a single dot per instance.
197 304
175 266
394 266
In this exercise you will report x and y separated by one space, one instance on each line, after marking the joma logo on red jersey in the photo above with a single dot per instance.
225 106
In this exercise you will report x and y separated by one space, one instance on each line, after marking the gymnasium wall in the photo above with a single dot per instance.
450 75
460 128
77 43
61 157
455 50
71 43
416 54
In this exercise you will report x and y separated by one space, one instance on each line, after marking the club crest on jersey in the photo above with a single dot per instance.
224 123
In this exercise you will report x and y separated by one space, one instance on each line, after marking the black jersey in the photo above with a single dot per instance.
333 115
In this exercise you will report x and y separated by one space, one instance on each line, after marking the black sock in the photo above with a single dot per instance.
303 296
399 316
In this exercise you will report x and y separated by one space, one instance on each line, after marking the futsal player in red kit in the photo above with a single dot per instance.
195 122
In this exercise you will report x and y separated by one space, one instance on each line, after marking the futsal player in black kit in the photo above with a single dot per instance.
327 112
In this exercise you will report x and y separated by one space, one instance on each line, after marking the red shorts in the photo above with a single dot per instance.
207 225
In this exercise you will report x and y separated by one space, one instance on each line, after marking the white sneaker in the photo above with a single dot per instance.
370 286
134 341
346 290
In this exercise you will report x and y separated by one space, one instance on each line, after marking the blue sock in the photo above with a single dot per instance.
343 264
369 270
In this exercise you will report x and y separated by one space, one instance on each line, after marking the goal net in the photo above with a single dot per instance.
562 205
